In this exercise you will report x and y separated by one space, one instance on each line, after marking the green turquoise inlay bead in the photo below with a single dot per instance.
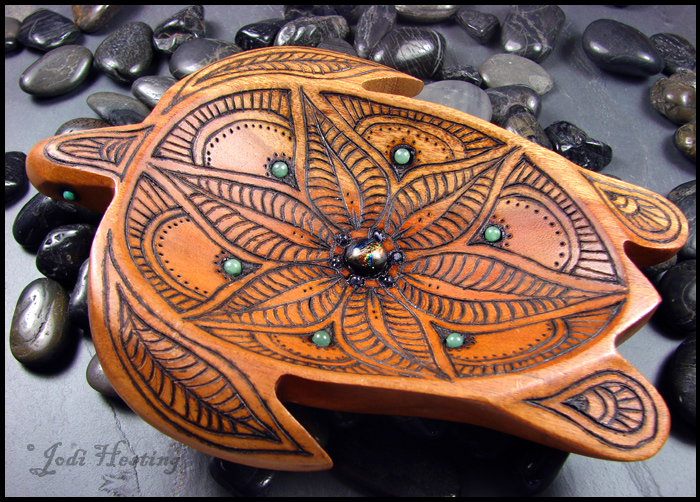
279 169
402 156
492 234
454 340
321 338
233 267
68 195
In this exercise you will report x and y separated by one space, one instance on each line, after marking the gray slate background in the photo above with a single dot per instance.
42 410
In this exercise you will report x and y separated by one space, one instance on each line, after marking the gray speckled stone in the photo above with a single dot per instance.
509 69
459 95
57 72
127 53
39 332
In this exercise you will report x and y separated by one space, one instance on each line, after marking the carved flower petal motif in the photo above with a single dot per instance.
387 258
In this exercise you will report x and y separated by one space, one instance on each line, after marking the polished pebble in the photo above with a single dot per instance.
375 22
531 31
479 25
509 69
337 45
16 182
677 290
260 34
118 109
78 305
45 30
179 28
678 54
38 216
683 379
81 124
310 31
620 48
198 53
685 140
653 272
459 95
504 98
426 13
688 207
97 379
682 190
416 51
63 252
240 479
523 123
40 330
57 72
150 89
464 72
90 18
11 33
574 144
127 53
674 97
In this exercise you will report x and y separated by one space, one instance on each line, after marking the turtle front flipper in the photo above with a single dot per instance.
85 168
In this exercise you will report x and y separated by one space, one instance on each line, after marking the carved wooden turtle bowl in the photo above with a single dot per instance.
288 225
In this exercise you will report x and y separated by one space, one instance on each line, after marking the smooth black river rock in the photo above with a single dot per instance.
621 48
416 51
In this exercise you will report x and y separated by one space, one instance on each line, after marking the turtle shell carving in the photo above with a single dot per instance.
288 225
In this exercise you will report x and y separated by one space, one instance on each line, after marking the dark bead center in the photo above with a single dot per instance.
366 257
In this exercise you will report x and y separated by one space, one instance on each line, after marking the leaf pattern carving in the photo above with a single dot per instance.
198 392
307 247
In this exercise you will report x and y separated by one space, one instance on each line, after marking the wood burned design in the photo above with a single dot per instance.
286 226
309 246
611 406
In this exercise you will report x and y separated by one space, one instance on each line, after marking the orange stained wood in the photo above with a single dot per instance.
288 225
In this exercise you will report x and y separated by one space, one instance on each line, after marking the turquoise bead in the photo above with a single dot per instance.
454 340
402 156
68 195
493 234
233 267
279 169
321 338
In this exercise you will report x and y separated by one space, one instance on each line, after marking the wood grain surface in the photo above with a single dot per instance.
388 258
